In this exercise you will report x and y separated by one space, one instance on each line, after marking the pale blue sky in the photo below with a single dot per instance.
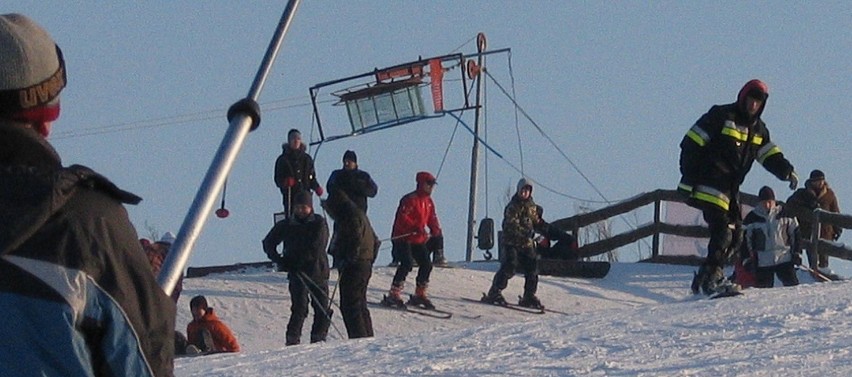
615 84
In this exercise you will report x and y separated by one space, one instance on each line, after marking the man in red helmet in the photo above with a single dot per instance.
416 211
716 154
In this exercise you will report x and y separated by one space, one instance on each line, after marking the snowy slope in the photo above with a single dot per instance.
639 320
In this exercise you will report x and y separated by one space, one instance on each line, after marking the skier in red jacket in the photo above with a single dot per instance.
416 211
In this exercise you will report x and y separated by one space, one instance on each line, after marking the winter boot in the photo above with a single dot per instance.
419 298
494 297
530 302
394 297
698 279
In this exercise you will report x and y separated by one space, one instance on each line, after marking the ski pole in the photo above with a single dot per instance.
243 117
325 312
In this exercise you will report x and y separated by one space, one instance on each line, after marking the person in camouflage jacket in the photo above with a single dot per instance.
520 222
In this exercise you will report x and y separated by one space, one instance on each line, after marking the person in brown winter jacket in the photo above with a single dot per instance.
815 194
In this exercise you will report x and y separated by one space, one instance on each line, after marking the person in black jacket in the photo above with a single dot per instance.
356 183
356 247
77 293
305 237
294 170
716 154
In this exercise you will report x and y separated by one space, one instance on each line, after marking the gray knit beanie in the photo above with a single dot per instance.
32 72
523 183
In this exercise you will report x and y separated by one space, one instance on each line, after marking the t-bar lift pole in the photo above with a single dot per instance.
243 117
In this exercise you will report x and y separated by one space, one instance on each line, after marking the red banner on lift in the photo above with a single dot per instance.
436 71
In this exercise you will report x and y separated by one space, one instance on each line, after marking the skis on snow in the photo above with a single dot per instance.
515 307
819 275
416 309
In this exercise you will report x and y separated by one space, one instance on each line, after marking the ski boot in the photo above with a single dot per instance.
530 302
394 298
494 297
419 298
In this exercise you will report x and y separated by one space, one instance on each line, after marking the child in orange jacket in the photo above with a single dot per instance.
206 331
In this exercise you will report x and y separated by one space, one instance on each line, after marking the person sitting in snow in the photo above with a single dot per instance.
771 238
305 237
206 332
520 223
565 246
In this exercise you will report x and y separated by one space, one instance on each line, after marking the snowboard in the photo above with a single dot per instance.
573 269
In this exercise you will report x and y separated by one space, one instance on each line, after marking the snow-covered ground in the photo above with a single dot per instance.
638 321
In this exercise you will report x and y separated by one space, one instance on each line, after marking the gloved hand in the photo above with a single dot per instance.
837 231
289 182
793 178
319 190
797 259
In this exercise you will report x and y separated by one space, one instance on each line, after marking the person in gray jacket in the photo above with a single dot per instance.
772 238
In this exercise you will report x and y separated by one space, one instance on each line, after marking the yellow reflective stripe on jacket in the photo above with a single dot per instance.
740 133
698 135
684 187
712 196
767 150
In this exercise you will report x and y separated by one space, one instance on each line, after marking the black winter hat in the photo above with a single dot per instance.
198 302
303 198
351 156
766 193
817 175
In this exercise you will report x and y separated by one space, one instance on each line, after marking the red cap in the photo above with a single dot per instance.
425 176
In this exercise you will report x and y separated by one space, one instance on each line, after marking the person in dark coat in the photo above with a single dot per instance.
716 155
305 237
356 248
520 222
815 194
356 183
294 170
77 293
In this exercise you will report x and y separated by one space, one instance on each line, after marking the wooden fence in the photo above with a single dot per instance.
654 229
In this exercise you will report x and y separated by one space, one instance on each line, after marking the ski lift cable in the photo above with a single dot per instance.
541 131
517 169
171 120
452 137
549 139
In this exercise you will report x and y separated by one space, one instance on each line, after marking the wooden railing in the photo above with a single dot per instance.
654 229
817 245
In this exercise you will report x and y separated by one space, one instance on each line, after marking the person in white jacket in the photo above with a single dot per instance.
772 238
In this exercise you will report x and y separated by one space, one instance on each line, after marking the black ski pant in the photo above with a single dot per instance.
306 290
408 253
511 258
354 278
725 234
786 272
